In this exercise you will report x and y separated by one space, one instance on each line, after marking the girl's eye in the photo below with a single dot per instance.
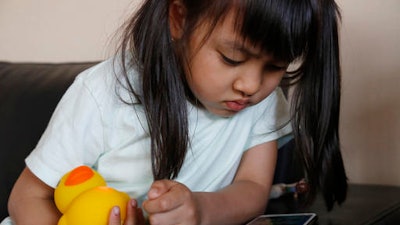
230 61
275 68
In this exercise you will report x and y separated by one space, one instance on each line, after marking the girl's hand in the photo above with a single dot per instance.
134 215
170 202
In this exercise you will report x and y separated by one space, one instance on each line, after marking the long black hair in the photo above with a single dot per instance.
304 31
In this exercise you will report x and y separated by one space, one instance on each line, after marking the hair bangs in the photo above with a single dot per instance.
281 28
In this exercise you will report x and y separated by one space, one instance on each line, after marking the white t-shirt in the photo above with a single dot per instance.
92 126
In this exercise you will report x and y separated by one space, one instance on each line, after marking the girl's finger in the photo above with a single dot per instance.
134 215
160 187
140 217
115 216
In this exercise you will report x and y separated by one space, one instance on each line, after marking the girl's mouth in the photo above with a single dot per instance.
236 105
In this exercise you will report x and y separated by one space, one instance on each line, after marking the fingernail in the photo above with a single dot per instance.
115 210
133 203
153 191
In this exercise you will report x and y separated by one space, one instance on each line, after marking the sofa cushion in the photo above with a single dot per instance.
29 93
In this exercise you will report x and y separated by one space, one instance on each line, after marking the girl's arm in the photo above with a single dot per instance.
244 199
247 197
31 201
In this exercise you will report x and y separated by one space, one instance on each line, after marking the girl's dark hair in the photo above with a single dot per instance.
305 31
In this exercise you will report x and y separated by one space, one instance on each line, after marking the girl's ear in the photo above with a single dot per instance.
177 15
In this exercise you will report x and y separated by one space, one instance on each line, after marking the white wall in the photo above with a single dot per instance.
60 30
370 122
76 30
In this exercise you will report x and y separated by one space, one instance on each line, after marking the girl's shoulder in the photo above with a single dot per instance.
106 80
274 103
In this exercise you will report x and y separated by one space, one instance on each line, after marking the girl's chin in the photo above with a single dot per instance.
221 112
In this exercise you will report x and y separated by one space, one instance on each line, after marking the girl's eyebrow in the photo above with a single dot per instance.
240 46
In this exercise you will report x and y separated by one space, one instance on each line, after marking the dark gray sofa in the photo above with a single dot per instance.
29 93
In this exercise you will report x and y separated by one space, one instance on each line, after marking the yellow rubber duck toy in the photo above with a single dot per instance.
84 199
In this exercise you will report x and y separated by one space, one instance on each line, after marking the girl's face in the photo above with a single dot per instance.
227 74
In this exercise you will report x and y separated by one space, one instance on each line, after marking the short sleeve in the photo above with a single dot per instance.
271 119
73 137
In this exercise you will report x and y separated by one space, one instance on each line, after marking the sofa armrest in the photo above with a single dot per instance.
29 93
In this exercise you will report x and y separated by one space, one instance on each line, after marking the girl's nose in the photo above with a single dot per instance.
248 84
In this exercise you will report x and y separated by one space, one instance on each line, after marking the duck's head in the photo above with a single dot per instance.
74 183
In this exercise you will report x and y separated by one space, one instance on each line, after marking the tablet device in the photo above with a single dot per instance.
285 219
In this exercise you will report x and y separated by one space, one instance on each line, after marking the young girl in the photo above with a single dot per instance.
185 119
